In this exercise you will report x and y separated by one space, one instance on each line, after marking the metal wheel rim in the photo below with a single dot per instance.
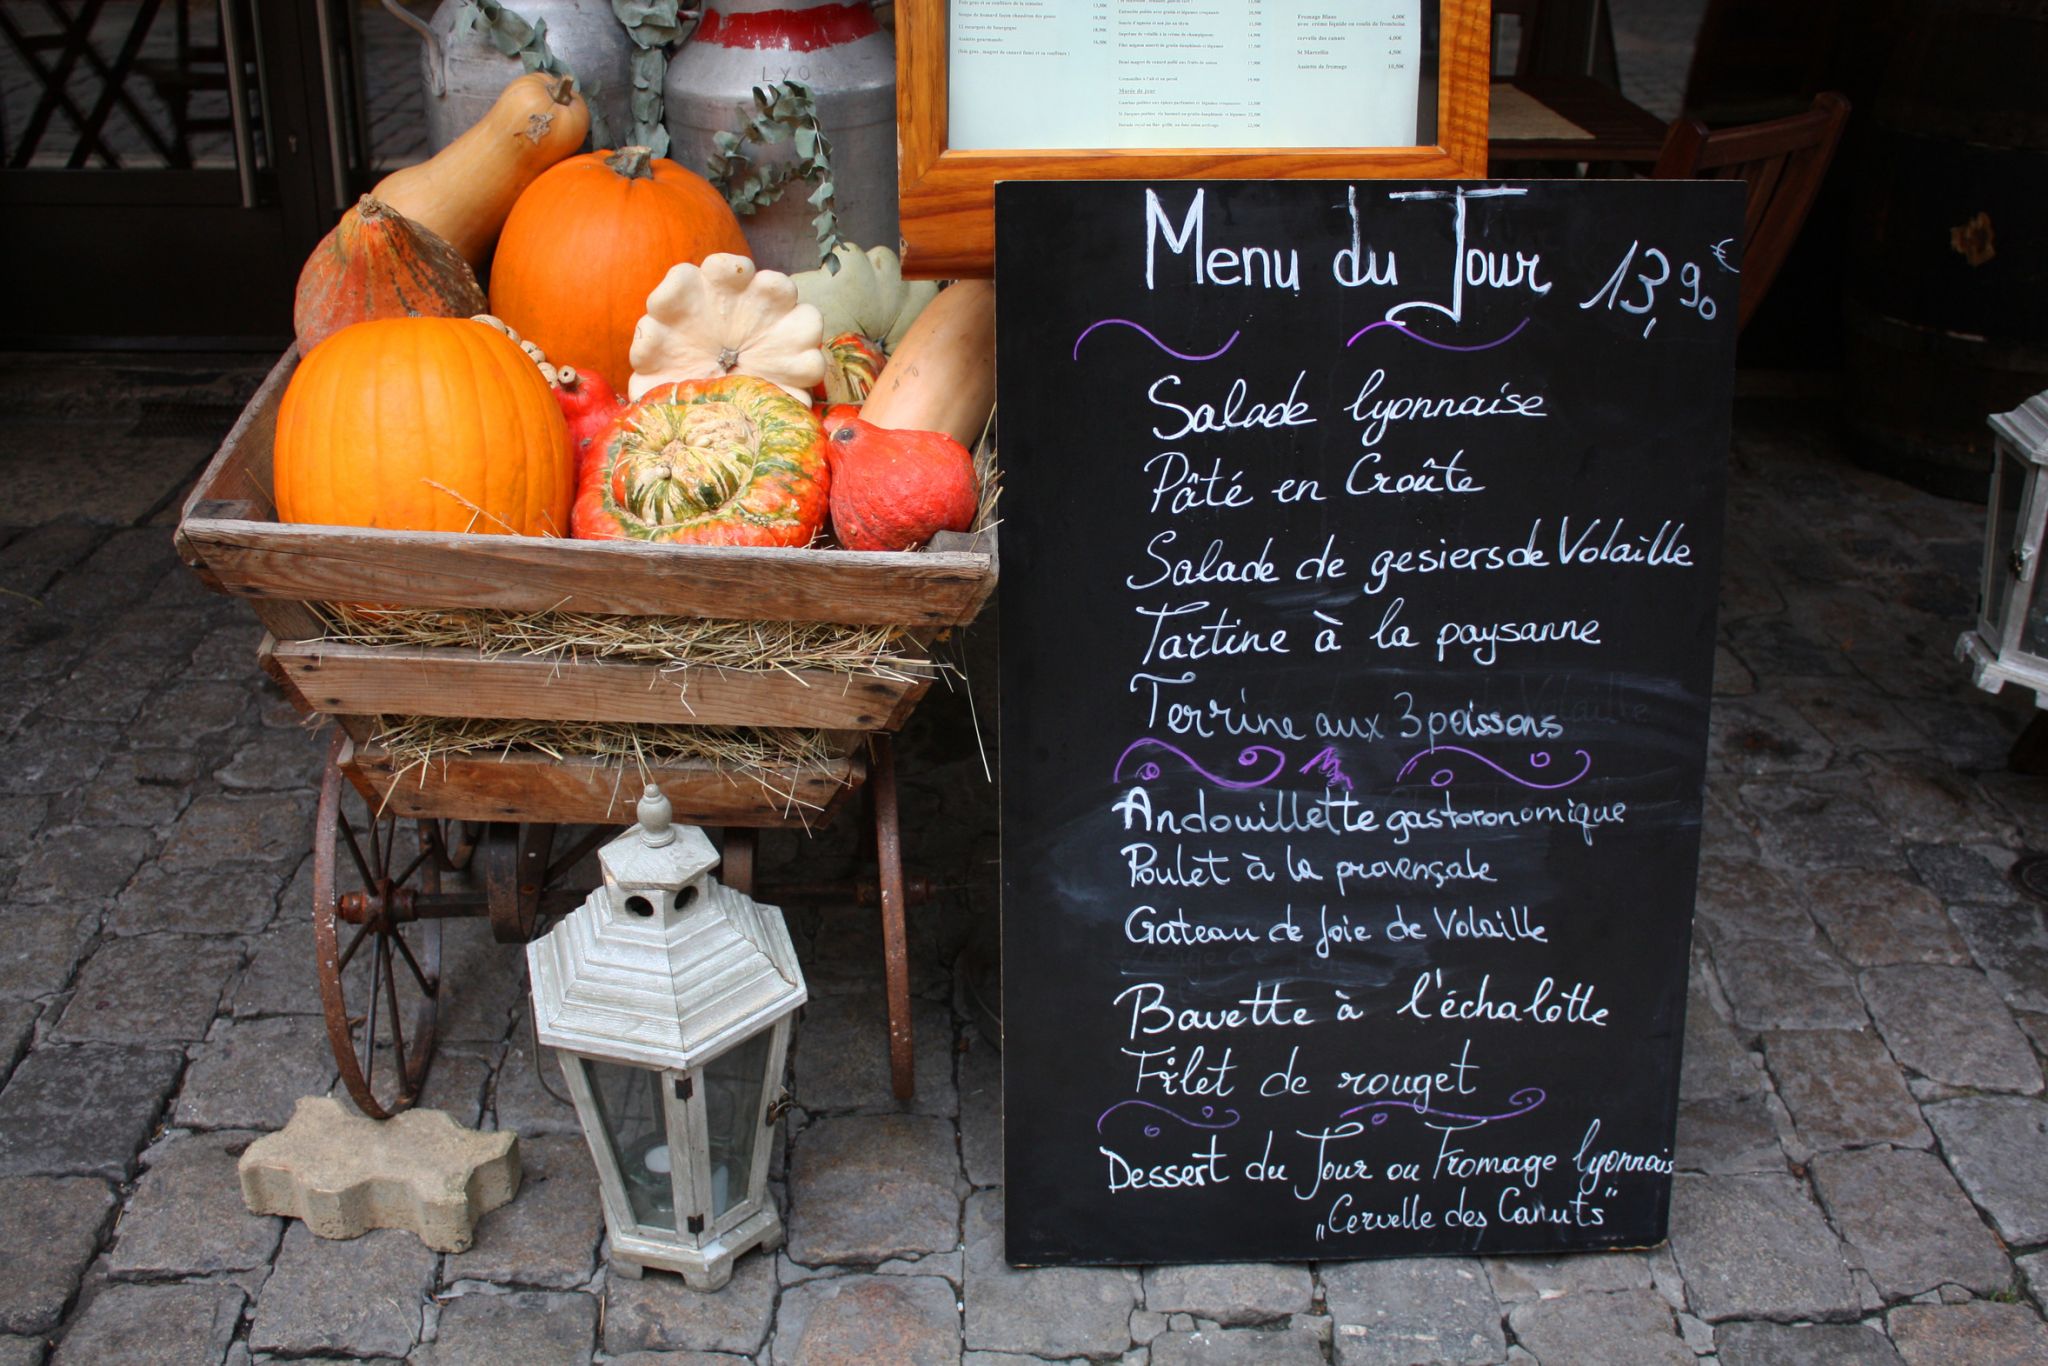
413 1047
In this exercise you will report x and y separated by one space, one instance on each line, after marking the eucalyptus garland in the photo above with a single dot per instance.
785 110
528 41
654 26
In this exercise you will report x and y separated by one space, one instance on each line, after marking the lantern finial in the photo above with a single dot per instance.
655 813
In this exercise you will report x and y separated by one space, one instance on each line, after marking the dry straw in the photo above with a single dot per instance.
417 744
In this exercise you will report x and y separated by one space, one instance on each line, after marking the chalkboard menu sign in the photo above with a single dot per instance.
1361 550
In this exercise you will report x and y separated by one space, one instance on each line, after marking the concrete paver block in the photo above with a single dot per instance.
344 1175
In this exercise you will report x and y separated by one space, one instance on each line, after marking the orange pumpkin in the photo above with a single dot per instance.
590 239
422 424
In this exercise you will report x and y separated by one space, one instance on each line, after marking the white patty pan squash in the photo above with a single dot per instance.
867 294
726 318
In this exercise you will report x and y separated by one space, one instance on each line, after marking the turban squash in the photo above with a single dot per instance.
422 424
727 461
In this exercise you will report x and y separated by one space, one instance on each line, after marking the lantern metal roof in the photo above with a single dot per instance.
662 965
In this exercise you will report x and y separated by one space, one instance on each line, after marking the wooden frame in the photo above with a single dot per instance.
948 194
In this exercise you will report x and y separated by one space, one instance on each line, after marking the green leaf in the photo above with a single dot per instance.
806 141
821 194
725 142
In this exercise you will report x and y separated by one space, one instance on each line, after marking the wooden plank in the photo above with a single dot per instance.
240 470
536 788
527 574
413 681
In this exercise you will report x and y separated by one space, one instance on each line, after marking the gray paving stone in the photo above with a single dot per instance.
16 1351
157 989
17 1030
83 1110
362 1297
1714 1063
864 1188
1843 1089
1295 1343
1516 1279
1621 1328
1392 1313
1774 985
1740 899
131 789
223 828
55 1224
853 1320
1728 1134
1980 1333
1756 736
1059 1311
2034 1270
483 983
1853 719
1948 1024
103 688
250 1073
75 863
41 947
1805 825
187 1218
548 1236
1907 1223
657 1314
273 760
841 1058
1998 1148
1806 1344
184 713
1732 678
2011 944
521 1329
20 818
1230 1293
457 1081
1927 802
55 756
519 1100
154 1325
236 898
279 977
1757 1247
981 1111
1961 874
1875 918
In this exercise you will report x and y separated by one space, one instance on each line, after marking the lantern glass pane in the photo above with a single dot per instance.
2008 489
733 1082
636 1126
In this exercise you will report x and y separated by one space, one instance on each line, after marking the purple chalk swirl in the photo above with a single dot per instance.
1148 336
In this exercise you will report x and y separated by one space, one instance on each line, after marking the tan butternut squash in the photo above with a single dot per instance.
942 376
465 191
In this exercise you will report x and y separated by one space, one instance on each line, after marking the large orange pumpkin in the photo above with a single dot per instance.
590 239
422 424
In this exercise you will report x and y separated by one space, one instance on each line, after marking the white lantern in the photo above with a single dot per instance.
668 998
2010 641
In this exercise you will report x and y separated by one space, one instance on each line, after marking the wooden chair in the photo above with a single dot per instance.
1782 161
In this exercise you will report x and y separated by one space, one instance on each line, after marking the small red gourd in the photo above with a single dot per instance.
589 405
895 490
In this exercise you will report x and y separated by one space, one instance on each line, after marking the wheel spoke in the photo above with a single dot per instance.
398 1058
406 952
350 952
355 851
426 851
369 1048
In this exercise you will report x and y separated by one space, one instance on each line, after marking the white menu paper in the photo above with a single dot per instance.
1049 74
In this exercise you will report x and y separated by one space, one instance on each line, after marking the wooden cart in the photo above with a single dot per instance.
479 836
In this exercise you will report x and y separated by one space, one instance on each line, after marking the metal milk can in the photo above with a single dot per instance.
839 50
464 73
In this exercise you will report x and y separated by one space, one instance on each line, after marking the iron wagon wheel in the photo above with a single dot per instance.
377 909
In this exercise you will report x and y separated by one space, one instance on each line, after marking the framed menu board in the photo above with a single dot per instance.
990 90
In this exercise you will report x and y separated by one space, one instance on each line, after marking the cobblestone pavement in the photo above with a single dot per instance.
1863 1141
